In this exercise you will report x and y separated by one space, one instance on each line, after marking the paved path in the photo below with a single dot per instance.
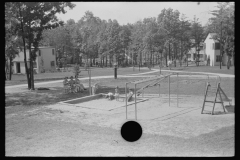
206 73
97 77
129 75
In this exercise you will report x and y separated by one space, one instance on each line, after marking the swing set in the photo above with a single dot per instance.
156 81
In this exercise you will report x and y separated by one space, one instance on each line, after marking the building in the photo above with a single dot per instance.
45 61
212 50
192 54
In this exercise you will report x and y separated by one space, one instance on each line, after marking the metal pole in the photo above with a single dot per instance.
177 89
126 99
135 103
159 89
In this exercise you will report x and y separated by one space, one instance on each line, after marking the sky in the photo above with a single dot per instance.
131 12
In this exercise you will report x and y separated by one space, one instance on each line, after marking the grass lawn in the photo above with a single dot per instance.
47 97
22 79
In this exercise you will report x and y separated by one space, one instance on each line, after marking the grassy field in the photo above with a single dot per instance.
47 97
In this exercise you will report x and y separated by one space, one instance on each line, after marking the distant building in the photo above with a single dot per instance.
45 60
212 50
192 54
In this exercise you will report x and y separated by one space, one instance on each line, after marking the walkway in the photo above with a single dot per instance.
23 87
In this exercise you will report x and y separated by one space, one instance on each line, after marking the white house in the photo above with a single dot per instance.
192 54
45 60
212 50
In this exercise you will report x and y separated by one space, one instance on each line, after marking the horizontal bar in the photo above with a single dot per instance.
213 102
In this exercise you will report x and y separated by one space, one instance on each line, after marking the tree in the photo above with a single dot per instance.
168 20
150 37
223 24
34 17
198 36
136 44
113 40
124 36
12 41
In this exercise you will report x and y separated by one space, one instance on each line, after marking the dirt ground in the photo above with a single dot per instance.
64 130
83 130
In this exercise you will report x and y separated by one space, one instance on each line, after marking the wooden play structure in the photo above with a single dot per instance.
217 91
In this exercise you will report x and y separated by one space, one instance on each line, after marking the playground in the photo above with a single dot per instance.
151 110
167 106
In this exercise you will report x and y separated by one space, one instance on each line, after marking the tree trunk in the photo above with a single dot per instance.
166 59
110 60
90 61
10 71
228 62
106 61
31 67
169 52
103 61
181 53
175 55
234 60
5 73
141 59
64 65
24 48
126 55
6 70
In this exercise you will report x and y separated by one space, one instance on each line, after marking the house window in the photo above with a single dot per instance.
218 58
217 46
52 64
53 52
39 52
189 55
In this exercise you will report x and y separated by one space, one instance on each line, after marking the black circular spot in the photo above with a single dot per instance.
131 131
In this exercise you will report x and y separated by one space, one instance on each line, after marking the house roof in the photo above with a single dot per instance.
211 36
